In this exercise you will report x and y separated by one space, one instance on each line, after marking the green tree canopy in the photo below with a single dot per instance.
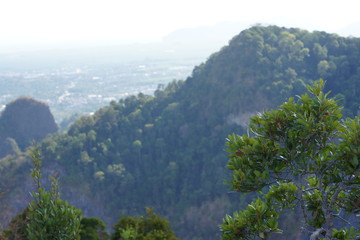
302 154
93 229
148 227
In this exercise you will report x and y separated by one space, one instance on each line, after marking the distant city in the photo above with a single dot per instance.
82 89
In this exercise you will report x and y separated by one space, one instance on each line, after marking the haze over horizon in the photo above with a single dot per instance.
42 24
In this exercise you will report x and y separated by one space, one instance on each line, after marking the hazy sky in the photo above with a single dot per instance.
41 21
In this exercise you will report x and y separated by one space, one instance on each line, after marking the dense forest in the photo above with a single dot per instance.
167 151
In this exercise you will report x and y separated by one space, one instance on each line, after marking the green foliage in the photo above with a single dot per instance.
345 234
93 229
49 216
148 227
258 220
313 157
17 227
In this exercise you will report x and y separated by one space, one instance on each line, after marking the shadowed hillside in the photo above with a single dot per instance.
23 121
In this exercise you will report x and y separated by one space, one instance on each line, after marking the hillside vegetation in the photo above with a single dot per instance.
167 151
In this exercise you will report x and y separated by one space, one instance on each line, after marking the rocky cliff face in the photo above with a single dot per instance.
24 120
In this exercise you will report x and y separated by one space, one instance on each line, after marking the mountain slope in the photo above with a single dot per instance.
167 151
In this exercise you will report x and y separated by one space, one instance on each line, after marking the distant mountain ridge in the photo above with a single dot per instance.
167 151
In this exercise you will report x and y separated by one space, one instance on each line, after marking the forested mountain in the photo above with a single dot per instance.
167 151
